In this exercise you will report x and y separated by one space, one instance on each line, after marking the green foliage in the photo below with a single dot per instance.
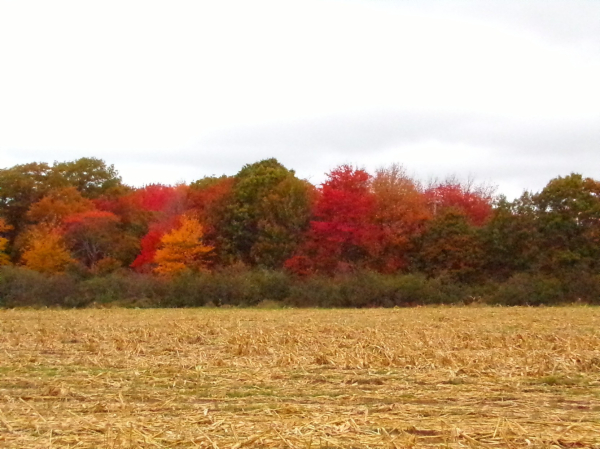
449 246
207 182
529 289
511 238
238 286
22 287
91 176
23 185
268 210
568 212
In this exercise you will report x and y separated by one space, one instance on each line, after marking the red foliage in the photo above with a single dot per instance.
151 241
300 265
343 227
156 197
89 217
474 203
170 200
205 200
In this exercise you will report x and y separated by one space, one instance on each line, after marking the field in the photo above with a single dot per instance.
376 378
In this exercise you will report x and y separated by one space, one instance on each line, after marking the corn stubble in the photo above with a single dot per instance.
378 378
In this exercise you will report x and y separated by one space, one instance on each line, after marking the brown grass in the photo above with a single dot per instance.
426 377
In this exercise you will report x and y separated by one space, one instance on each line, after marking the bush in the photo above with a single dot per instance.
22 287
239 286
315 291
529 289
582 287
123 289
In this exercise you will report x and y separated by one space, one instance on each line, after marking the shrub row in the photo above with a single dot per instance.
240 287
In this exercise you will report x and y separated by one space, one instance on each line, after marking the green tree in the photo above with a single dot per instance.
511 237
91 176
568 218
450 246
23 185
267 211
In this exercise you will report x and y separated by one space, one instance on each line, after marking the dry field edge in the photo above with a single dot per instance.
300 378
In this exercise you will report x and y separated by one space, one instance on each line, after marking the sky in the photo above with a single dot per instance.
504 92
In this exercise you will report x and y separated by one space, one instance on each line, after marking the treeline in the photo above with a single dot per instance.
72 234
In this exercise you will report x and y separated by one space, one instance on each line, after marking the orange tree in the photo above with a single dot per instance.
45 250
400 213
182 249
4 227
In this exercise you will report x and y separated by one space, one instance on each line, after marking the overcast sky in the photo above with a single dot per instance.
507 92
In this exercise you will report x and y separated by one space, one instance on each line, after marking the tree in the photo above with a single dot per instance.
450 246
88 175
341 232
209 198
96 235
266 212
401 212
21 186
152 241
568 219
4 227
511 238
46 251
474 201
182 249
58 204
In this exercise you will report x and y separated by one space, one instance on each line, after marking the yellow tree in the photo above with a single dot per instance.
4 227
46 251
182 249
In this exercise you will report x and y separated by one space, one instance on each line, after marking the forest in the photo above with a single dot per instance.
73 234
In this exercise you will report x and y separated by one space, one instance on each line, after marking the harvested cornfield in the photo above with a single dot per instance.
377 378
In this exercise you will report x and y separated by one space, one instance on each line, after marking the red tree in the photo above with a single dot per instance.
342 232
475 202
151 242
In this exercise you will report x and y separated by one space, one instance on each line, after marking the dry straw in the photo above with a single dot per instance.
427 377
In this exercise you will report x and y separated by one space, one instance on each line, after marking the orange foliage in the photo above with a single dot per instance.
400 213
46 251
58 204
4 227
152 240
182 249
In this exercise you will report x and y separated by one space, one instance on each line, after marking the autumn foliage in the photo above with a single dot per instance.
4 259
46 250
79 217
182 249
